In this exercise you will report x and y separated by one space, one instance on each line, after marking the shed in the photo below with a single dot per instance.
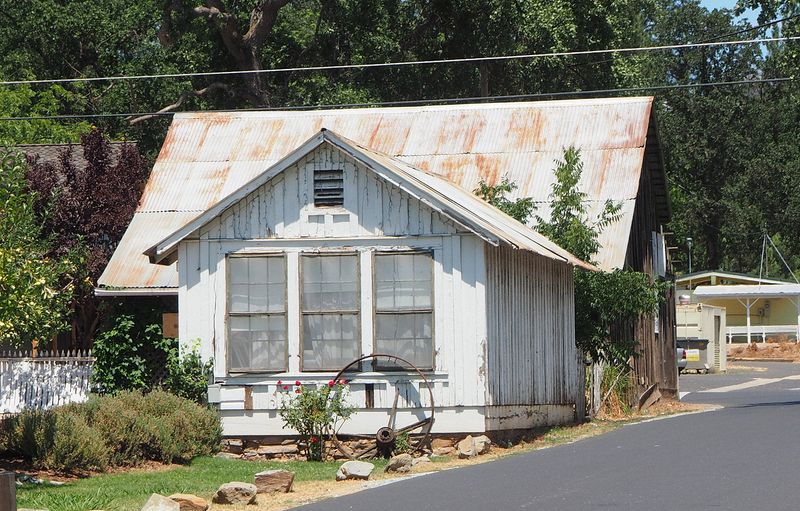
701 331
206 156
338 250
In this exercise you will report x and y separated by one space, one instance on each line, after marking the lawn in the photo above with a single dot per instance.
128 491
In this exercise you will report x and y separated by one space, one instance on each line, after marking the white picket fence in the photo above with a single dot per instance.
52 378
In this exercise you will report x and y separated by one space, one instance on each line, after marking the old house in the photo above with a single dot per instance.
297 241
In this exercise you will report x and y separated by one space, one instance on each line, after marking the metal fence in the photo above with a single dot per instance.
43 379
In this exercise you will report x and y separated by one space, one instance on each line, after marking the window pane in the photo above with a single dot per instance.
239 297
258 270
257 343
403 281
258 298
406 335
330 283
330 341
238 270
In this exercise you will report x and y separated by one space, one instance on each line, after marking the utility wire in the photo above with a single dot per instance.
401 64
422 102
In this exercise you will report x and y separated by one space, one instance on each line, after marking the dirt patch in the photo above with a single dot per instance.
770 350
22 467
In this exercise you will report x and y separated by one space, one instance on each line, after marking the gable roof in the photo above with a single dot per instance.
448 199
206 156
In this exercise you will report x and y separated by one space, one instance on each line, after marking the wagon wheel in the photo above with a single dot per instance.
383 441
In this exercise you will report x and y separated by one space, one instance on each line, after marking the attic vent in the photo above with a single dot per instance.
328 187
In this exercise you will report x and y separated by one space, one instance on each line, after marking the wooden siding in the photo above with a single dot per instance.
532 358
284 207
656 360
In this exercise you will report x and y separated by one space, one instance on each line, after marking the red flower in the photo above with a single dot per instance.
330 383
296 391
280 382
343 382
298 383
285 387
313 439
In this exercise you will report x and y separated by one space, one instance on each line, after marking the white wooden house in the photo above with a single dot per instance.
337 251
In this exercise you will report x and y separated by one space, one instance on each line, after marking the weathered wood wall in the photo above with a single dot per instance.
655 363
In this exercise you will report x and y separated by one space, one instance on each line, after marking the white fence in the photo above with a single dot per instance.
50 379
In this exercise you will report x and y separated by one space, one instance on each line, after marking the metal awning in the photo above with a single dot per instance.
749 295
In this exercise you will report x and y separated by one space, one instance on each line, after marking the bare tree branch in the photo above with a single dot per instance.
184 96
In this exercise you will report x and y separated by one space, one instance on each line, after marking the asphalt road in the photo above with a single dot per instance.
744 456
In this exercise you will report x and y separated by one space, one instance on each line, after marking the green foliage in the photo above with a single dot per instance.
33 295
23 101
122 430
569 224
130 357
314 412
187 375
603 300
402 444
519 209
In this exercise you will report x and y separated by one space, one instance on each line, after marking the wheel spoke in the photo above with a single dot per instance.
362 453
393 415
413 426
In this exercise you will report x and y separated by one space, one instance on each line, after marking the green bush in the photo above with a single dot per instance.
121 430
188 375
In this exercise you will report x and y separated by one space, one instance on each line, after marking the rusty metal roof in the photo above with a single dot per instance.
206 156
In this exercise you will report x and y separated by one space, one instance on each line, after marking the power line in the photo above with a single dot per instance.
402 63
421 102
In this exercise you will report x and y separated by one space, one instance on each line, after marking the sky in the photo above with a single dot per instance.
749 15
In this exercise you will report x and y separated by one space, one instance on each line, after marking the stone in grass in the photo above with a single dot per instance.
158 502
482 444
189 502
235 492
400 463
471 446
420 460
354 470
274 481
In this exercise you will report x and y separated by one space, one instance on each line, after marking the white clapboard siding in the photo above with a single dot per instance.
531 346
51 379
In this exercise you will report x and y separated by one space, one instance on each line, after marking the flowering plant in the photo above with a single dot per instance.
314 411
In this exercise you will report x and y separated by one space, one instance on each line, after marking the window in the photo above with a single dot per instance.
330 307
404 307
328 187
257 314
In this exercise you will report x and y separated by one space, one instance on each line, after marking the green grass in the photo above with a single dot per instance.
129 491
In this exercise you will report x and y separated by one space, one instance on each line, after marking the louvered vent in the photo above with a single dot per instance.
328 187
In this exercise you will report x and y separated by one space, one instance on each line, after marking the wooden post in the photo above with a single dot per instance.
8 491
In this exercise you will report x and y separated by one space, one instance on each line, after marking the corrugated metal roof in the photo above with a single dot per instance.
206 156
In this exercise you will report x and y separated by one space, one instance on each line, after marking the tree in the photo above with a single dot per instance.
87 207
35 285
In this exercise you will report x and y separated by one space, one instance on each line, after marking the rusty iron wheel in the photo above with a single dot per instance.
383 441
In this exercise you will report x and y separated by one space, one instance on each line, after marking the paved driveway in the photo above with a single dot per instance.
745 456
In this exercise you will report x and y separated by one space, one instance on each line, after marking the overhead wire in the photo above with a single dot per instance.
421 102
398 64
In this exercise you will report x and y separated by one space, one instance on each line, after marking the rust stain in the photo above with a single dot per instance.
476 127
488 168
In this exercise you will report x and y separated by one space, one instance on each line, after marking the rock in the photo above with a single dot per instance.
235 493
188 502
400 463
439 443
466 448
354 470
278 450
274 481
227 455
420 460
482 444
443 451
158 502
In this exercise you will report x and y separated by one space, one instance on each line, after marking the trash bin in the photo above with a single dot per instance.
696 353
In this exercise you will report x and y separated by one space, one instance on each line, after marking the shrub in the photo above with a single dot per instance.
121 430
188 375
314 411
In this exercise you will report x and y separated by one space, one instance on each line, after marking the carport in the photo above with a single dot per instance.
749 295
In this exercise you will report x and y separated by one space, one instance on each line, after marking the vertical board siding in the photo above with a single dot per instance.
281 207
532 357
